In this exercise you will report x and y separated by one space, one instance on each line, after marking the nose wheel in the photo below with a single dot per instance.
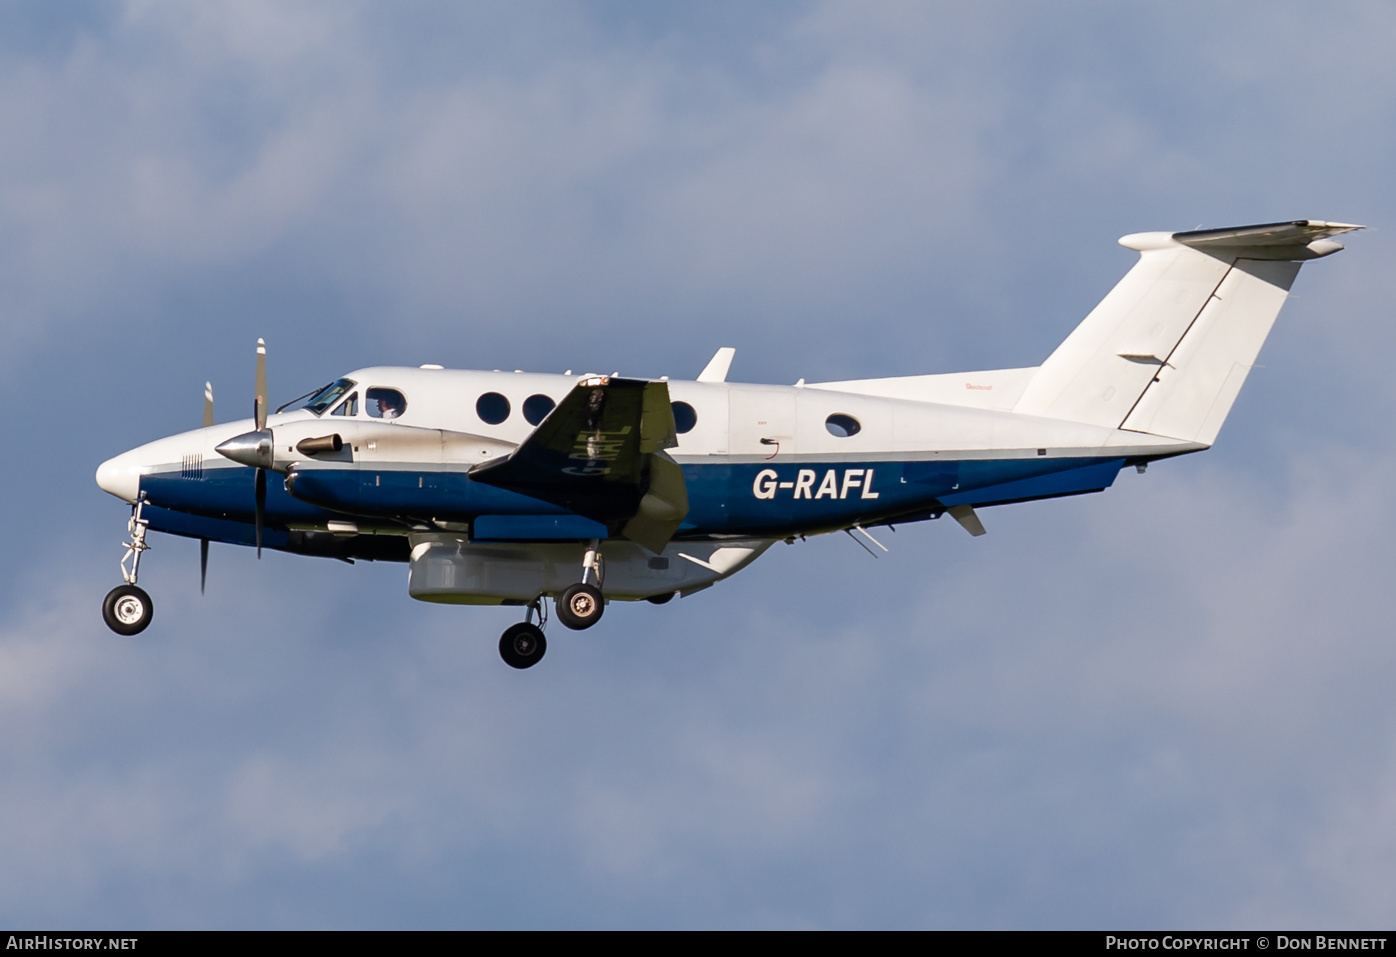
127 609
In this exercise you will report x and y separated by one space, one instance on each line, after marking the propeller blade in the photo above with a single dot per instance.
260 404
261 506
208 404
203 564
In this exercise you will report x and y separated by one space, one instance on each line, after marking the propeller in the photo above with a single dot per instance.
259 404
259 412
255 448
203 542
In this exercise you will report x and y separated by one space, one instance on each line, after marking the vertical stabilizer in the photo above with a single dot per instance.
1102 368
1167 350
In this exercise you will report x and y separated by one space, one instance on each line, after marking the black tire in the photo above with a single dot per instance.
127 610
580 606
663 599
522 645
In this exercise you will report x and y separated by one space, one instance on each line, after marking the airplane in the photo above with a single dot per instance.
514 488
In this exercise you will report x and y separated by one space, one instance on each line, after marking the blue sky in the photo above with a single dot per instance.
1164 706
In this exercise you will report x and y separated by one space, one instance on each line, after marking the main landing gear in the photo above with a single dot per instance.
523 645
127 609
581 605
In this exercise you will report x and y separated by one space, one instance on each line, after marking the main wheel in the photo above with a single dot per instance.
127 610
522 645
580 606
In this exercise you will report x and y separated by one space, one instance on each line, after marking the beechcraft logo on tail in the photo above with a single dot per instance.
768 484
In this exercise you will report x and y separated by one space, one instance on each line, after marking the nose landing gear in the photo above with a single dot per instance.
127 609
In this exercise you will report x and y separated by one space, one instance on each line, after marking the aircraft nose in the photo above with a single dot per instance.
121 477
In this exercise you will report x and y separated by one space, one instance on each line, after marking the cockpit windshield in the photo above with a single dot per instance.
328 396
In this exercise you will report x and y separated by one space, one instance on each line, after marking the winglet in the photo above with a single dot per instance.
716 369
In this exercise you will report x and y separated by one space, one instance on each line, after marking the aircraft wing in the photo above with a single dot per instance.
600 453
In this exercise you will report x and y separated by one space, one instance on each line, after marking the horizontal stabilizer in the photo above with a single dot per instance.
1297 240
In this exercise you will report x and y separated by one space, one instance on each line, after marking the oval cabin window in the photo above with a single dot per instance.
536 408
842 425
685 418
492 408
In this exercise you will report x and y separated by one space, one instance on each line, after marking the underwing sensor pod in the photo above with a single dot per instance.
519 488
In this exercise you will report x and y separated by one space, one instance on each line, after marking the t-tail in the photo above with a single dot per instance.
1166 352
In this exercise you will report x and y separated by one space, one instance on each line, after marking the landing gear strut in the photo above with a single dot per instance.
581 605
127 609
523 645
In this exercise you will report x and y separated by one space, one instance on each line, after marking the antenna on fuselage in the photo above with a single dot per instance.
716 369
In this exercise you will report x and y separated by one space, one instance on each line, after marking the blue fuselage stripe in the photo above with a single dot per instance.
770 499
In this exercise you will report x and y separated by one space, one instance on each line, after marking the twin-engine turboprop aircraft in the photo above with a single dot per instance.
508 488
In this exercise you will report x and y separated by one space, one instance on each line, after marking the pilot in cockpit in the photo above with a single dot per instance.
386 403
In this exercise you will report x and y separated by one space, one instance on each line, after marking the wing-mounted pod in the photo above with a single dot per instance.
601 454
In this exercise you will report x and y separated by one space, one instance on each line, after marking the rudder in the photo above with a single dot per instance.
1190 396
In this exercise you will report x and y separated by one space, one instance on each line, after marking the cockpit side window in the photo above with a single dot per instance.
384 403
328 396
349 406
